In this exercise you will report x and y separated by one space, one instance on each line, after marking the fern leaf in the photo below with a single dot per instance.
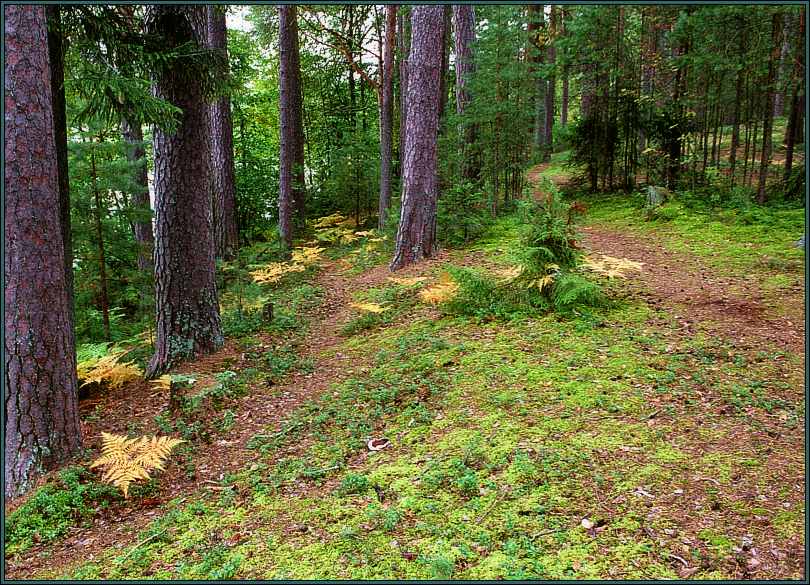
369 307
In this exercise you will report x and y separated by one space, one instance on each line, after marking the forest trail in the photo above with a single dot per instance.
731 306
263 410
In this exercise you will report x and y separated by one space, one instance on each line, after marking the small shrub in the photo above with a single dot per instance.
354 483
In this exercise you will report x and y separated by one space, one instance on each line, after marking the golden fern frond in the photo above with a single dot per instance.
329 221
127 460
441 292
272 273
107 370
369 307
407 281
163 383
611 267
307 255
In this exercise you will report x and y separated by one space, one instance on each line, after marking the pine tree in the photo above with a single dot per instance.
41 411
187 308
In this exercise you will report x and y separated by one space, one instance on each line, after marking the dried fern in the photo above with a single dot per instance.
441 292
610 266
273 272
369 307
108 370
407 281
127 460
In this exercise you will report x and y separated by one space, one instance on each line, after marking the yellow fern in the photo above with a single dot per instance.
407 281
329 221
611 267
369 307
307 255
127 460
108 371
443 291
163 383
272 273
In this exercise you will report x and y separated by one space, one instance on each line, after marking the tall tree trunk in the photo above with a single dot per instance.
535 27
404 48
464 29
796 101
102 262
416 236
41 394
564 102
767 118
226 234
738 97
551 92
56 60
387 112
187 308
291 191
139 200
445 65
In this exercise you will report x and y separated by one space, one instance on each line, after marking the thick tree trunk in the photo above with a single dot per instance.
767 118
226 234
41 412
187 308
387 113
291 199
139 200
416 236
464 29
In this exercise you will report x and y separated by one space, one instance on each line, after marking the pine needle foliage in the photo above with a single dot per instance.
127 460
108 371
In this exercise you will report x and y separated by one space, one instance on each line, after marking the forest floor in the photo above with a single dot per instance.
660 437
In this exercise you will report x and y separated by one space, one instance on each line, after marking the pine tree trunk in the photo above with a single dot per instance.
445 65
464 32
404 47
416 236
56 60
291 182
41 396
104 296
551 91
188 322
738 97
387 113
767 118
226 234
535 27
142 226
792 130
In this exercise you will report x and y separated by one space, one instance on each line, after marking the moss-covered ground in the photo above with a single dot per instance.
609 443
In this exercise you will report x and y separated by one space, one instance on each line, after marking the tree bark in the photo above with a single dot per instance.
795 102
227 236
56 60
464 30
139 200
404 47
41 395
387 113
102 262
767 118
551 91
535 25
416 236
187 308
291 199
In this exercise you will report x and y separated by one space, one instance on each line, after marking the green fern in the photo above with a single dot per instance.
571 290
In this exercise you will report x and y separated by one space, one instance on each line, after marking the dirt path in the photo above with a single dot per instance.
730 306
263 410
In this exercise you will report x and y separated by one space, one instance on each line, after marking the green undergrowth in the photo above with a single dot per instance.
503 438
731 240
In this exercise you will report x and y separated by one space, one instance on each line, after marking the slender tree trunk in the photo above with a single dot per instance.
767 119
227 236
738 97
387 112
291 192
464 29
139 199
41 395
416 236
535 26
102 263
404 48
445 66
795 102
564 102
56 60
551 92
187 308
